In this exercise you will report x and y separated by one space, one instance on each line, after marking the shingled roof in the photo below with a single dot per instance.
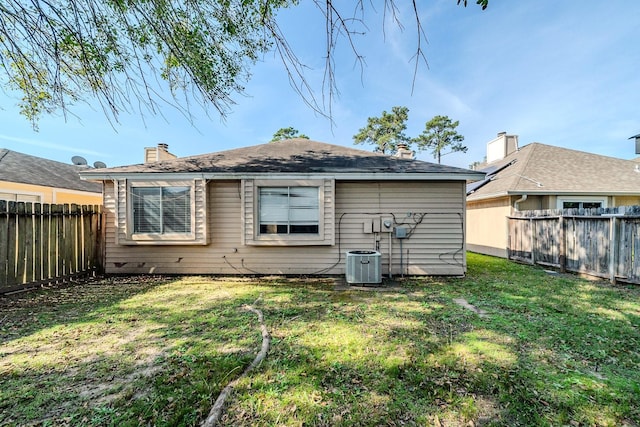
544 169
294 156
26 169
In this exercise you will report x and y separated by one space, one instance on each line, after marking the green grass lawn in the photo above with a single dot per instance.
550 350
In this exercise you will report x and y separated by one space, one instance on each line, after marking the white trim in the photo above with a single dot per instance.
155 237
116 203
128 237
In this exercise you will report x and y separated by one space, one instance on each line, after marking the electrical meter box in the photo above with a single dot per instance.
386 224
401 232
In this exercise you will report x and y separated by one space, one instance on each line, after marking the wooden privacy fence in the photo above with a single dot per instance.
43 243
603 242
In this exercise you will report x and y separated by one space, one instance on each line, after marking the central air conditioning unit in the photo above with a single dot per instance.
364 267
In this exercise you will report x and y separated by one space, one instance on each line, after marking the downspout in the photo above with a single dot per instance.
520 200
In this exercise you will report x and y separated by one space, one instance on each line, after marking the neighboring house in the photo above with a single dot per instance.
26 178
539 176
288 207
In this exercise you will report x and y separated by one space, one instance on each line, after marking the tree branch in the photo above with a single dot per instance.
216 411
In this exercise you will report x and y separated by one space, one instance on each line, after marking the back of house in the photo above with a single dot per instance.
294 207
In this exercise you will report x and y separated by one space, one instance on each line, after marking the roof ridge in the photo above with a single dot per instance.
37 158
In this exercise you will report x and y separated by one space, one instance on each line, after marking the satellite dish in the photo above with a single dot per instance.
99 165
79 161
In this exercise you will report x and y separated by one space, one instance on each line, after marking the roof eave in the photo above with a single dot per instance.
471 198
350 176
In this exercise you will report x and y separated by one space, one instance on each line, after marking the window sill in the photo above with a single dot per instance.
163 239
298 240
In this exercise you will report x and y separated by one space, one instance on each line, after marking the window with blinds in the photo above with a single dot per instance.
289 210
161 210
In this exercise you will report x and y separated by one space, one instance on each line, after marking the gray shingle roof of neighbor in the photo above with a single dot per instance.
26 169
295 156
544 169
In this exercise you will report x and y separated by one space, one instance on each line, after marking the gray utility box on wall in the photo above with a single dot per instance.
364 267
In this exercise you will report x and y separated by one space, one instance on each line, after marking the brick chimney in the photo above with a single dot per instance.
156 154
403 152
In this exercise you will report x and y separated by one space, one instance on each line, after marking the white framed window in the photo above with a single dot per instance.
21 197
161 210
581 202
288 210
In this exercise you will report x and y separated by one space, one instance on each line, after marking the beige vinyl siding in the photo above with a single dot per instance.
110 207
248 212
329 216
437 244
435 247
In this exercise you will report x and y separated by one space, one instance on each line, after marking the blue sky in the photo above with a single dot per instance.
563 73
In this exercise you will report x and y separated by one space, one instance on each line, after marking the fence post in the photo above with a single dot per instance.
28 243
67 239
12 238
533 240
4 242
613 248
59 238
37 241
76 230
46 241
21 233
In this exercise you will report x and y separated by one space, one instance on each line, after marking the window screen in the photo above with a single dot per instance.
581 205
289 210
161 210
